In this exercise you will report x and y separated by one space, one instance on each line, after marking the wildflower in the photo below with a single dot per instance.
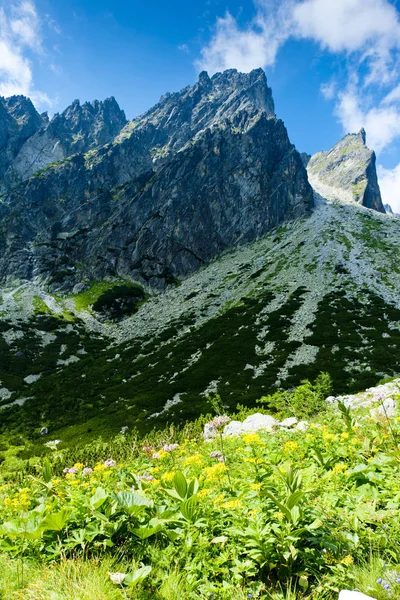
345 435
348 560
219 422
217 454
386 587
70 471
256 486
99 467
147 449
78 466
379 580
170 447
232 504
397 579
110 462
278 515
144 477
290 446
87 471
204 492
194 460
169 476
124 429
339 468
156 455
215 471
117 578
328 437
252 438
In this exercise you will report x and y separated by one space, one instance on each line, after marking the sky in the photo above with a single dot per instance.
333 65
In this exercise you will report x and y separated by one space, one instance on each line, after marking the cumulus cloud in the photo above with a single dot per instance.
20 32
382 122
389 182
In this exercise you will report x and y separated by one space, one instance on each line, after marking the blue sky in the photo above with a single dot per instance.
333 65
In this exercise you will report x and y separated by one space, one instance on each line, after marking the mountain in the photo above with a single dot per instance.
189 256
347 170
78 129
206 169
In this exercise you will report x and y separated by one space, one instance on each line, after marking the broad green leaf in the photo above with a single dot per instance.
98 498
145 532
132 503
56 521
133 579
188 508
180 484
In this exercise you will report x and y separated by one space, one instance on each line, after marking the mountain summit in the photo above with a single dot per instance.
348 170
206 169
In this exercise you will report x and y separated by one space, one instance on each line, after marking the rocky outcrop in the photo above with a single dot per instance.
206 169
348 172
78 129
19 121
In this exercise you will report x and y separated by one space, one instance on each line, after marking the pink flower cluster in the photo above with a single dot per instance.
110 462
217 455
219 422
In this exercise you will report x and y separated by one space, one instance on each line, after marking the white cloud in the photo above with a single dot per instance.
20 32
347 25
382 122
389 182
254 46
328 90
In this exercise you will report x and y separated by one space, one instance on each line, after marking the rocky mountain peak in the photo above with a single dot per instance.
79 128
347 171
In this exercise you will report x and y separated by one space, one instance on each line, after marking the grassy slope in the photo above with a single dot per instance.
316 295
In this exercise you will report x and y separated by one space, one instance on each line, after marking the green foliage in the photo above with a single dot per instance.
306 400
296 518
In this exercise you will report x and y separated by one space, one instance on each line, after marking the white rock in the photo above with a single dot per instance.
387 408
347 595
209 432
302 426
234 428
289 422
32 378
259 421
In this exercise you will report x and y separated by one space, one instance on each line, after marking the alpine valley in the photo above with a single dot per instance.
146 265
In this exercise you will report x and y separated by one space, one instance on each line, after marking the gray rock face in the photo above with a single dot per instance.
19 120
349 171
206 169
79 128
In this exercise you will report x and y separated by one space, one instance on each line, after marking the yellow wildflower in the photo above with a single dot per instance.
204 492
339 468
215 472
78 466
168 476
232 504
195 460
290 446
348 560
219 499
252 438
256 486
345 435
279 515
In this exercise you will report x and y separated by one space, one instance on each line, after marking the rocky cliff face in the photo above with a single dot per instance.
206 169
347 171
78 129
19 121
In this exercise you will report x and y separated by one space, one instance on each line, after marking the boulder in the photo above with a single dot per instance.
388 408
234 428
289 422
209 432
258 421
